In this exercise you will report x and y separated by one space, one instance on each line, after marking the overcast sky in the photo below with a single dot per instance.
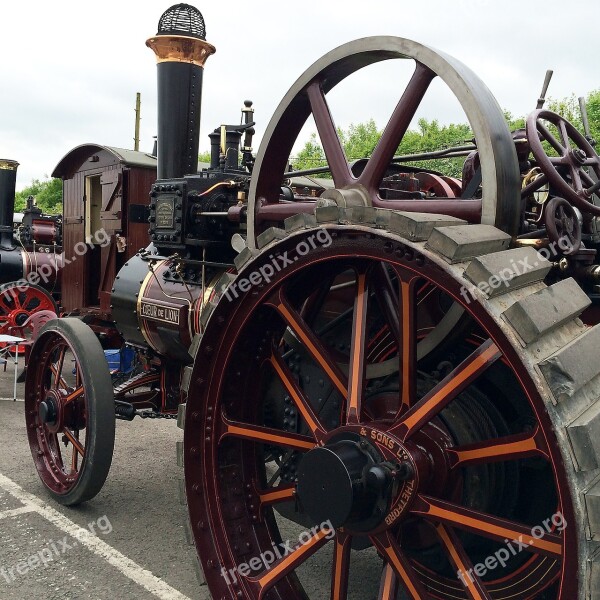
70 70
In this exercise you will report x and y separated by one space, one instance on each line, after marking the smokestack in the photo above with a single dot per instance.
181 51
8 181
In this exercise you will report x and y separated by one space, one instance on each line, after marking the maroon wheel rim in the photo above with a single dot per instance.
56 415
227 437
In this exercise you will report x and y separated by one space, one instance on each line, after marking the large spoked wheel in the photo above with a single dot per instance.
572 158
499 165
69 411
426 471
17 303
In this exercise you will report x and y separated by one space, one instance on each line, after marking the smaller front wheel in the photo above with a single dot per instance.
69 411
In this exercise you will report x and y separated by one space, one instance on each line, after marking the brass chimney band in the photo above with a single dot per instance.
180 48
8 165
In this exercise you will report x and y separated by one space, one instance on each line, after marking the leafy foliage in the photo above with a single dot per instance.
204 157
359 140
569 109
311 155
47 193
431 137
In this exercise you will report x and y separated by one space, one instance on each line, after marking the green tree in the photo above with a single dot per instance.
47 193
311 155
431 137
593 110
204 157
359 140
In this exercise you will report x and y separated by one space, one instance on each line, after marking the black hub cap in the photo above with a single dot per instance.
21 318
47 411
344 483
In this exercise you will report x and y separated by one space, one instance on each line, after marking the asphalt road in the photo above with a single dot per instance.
139 550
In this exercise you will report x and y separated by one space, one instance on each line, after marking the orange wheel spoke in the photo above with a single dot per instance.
61 383
300 400
396 559
473 585
282 493
338 163
341 566
59 366
76 444
396 127
76 393
506 448
266 580
488 526
74 462
356 375
312 343
389 587
267 435
448 389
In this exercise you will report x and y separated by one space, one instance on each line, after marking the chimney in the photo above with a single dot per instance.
8 180
181 51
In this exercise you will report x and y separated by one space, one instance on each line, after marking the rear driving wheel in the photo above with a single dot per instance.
69 411
451 476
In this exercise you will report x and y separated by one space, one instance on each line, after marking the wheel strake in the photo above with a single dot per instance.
230 435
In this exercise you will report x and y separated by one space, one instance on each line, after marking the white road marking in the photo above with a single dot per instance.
11 400
16 511
126 566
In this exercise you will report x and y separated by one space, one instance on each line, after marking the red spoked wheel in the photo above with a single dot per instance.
298 448
69 411
17 303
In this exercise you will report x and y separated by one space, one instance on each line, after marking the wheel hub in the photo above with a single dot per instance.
48 410
332 483
354 483
579 155
20 318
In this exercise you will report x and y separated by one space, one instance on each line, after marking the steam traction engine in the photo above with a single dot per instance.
393 361
30 254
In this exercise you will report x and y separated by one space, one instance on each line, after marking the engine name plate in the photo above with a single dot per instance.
165 214
165 314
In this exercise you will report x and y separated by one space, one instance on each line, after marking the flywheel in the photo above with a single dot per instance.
500 181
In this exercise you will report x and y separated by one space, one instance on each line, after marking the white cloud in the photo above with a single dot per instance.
71 69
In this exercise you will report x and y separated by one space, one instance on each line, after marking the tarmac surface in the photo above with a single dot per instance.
129 542
139 550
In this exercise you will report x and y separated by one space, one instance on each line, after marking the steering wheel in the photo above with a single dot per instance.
575 154
562 225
